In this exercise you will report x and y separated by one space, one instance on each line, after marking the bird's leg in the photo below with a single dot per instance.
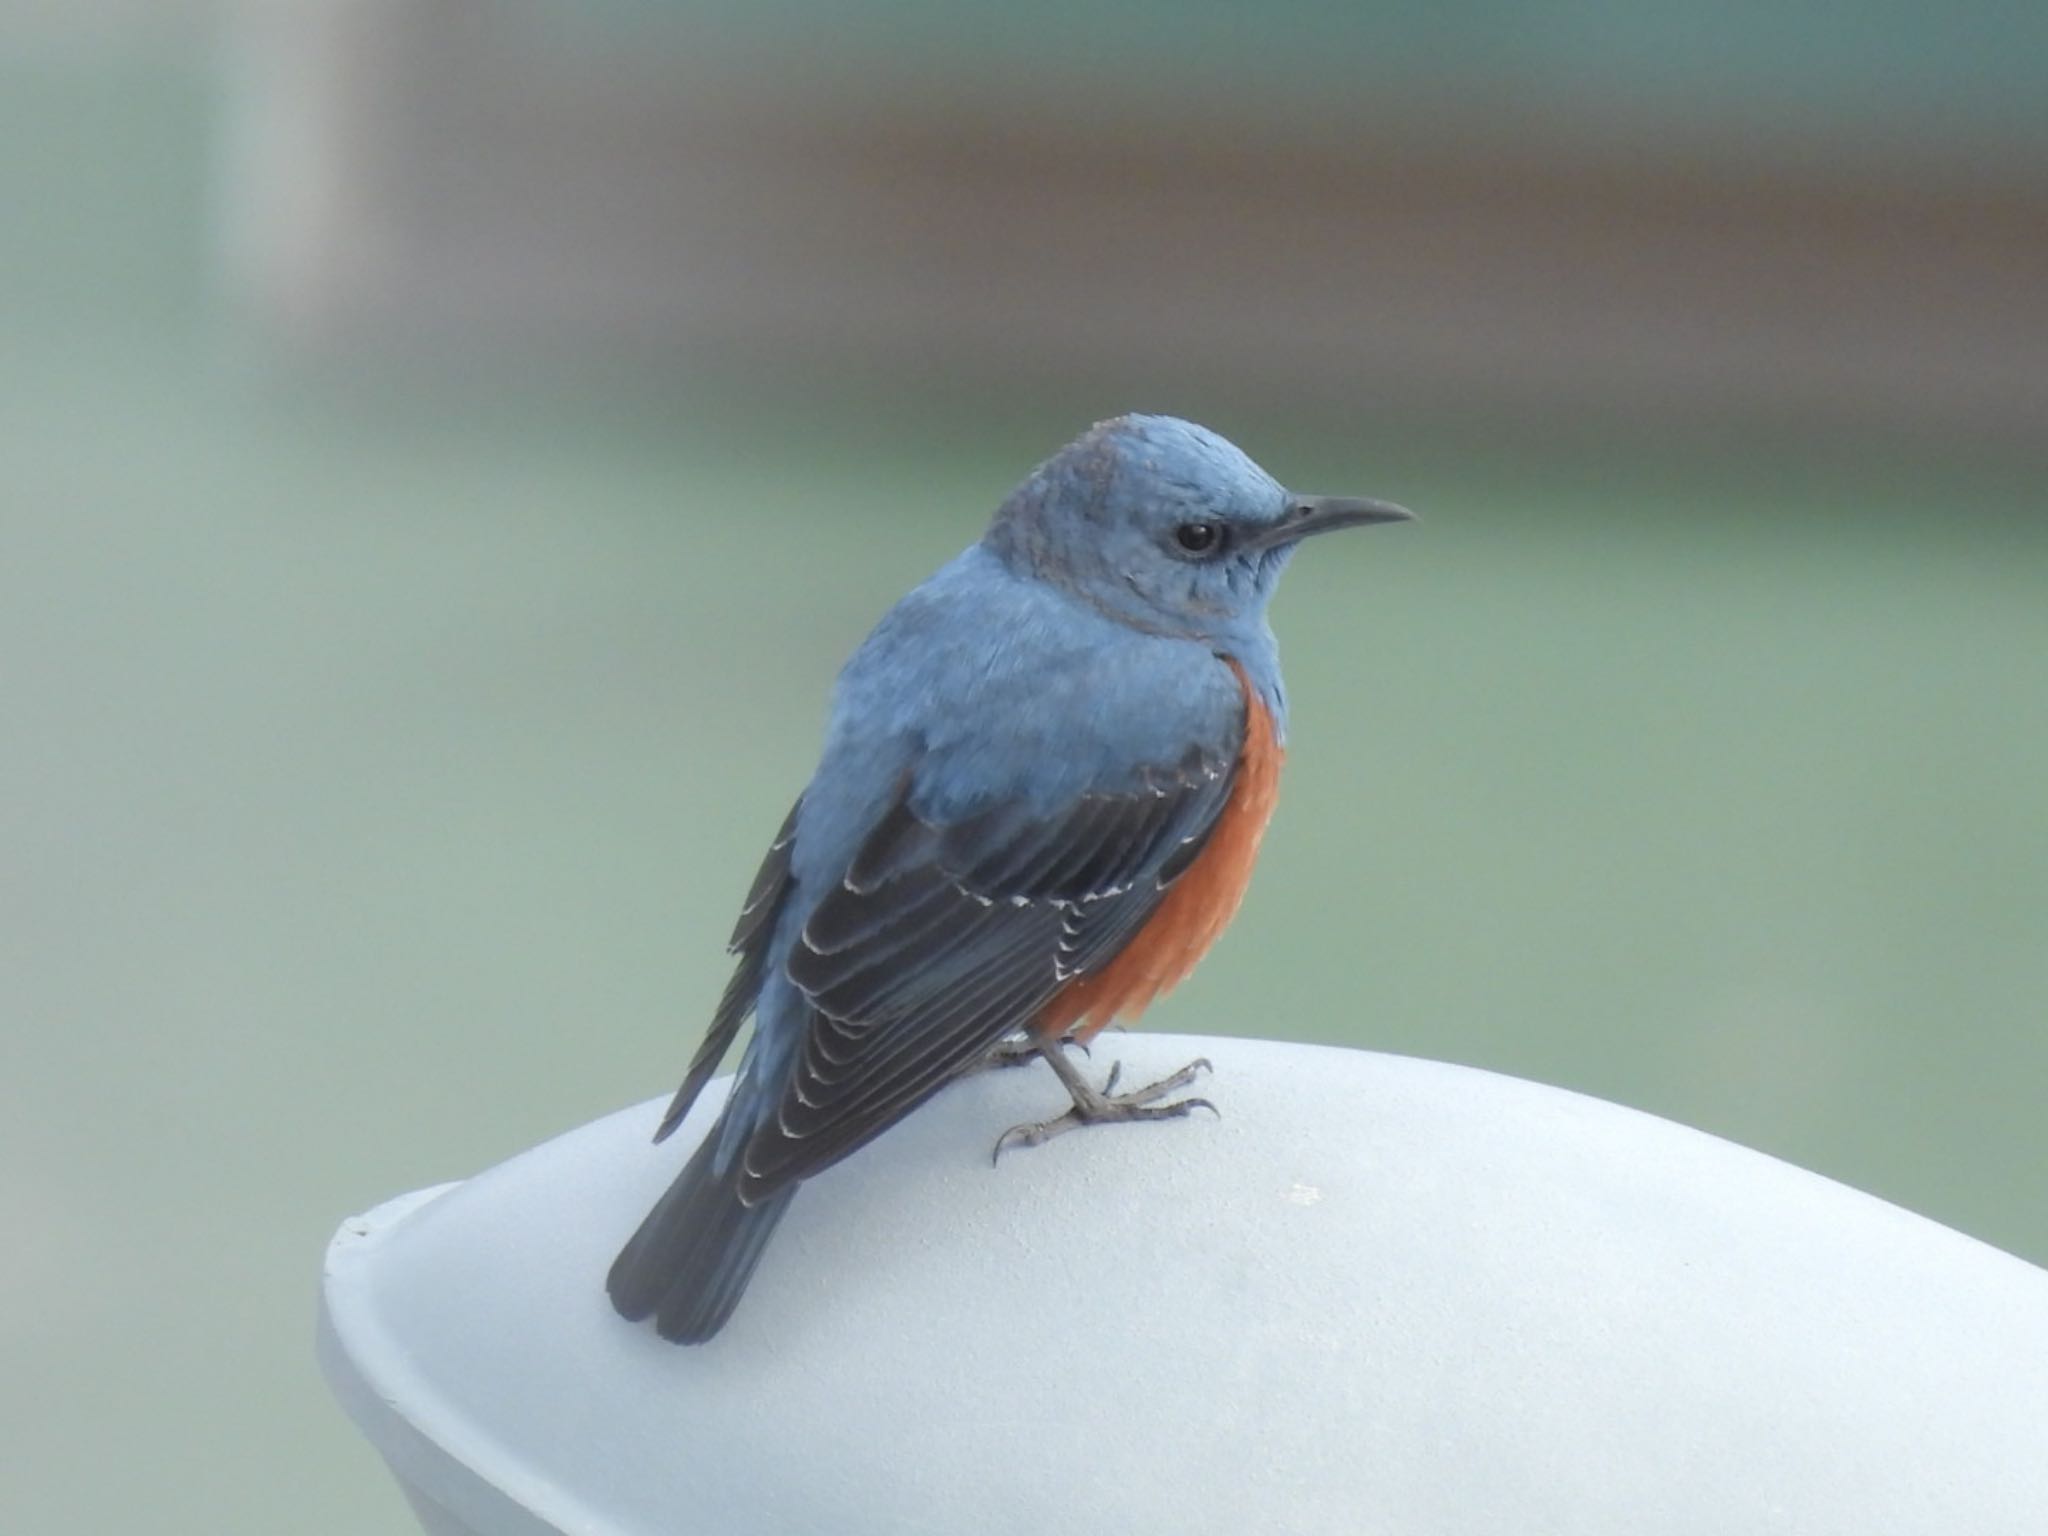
1097 1106
1018 1050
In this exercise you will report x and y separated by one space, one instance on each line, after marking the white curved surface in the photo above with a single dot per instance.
1380 1295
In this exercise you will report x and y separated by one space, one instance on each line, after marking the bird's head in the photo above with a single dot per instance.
1165 526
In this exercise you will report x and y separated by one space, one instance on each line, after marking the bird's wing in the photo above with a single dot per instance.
943 937
750 939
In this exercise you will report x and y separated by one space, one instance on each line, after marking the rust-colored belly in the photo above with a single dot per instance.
1196 908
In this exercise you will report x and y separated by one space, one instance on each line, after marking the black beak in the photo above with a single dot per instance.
1309 515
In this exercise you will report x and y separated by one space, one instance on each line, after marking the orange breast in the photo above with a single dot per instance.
1197 907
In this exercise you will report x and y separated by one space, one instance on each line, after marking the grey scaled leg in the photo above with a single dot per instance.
1018 1050
1104 1105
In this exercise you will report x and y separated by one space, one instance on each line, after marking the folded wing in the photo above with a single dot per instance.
943 938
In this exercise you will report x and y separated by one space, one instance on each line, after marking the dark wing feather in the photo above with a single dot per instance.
942 939
750 936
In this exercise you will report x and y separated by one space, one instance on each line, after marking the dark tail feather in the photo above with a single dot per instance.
694 1254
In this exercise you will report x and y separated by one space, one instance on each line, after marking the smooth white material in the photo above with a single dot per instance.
1378 1296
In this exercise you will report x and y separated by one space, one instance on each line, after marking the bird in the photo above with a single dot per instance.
1044 780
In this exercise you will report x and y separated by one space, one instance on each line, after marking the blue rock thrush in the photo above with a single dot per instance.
1045 778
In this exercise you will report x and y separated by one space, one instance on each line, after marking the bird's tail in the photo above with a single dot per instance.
694 1254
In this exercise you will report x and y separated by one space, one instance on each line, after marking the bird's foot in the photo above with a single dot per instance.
1104 1105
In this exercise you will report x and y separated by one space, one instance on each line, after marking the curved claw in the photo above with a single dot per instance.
1028 1135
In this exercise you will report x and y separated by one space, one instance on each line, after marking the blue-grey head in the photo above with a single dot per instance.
1165 526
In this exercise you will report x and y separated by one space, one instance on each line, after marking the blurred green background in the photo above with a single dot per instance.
388 744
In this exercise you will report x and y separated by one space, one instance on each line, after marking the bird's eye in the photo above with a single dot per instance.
1199 538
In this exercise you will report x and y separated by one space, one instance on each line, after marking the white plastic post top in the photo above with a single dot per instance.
1379 1297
